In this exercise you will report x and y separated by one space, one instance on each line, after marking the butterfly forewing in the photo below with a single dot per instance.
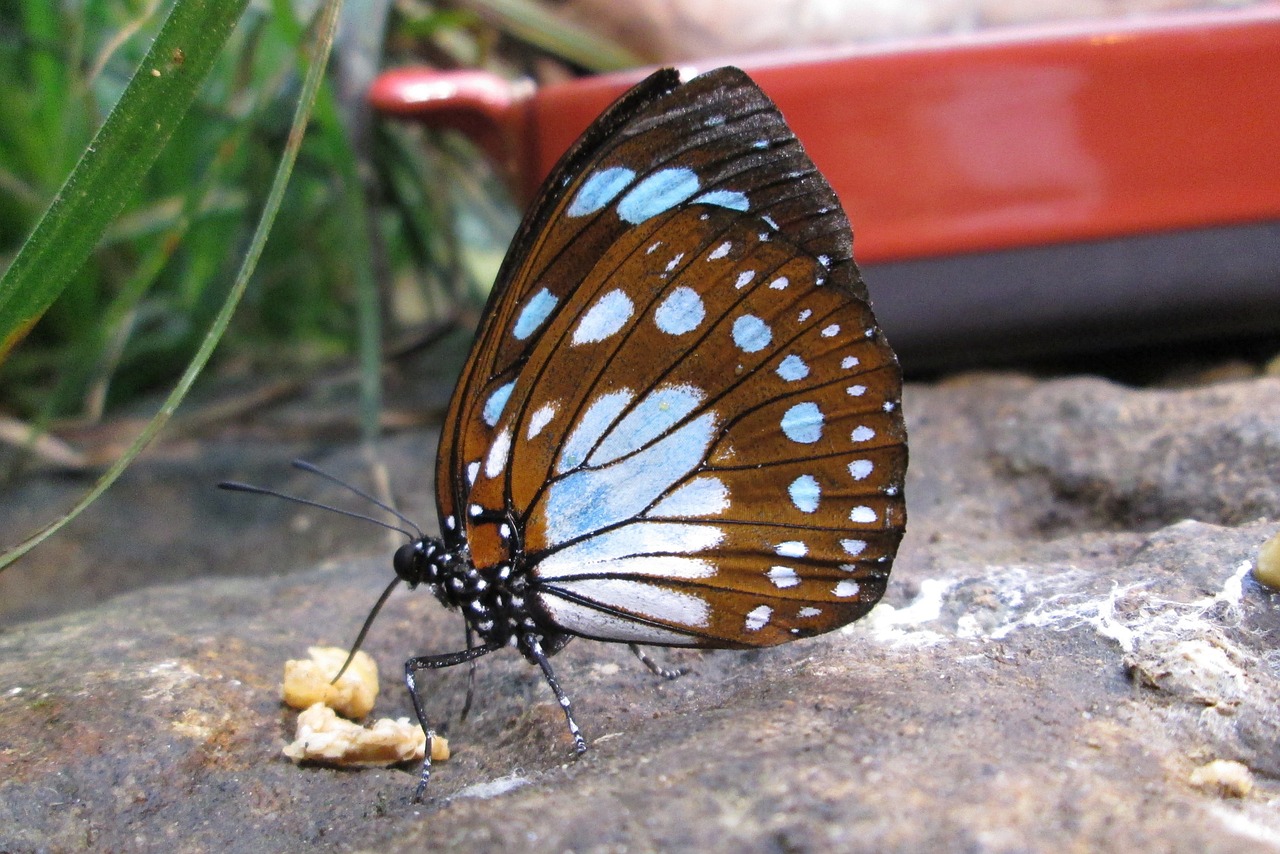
680 418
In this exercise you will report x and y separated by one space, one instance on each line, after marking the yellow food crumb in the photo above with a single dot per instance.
324 737
308 682
1229 778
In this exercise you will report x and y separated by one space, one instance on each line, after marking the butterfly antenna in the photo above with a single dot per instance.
314 469
364 630
236 486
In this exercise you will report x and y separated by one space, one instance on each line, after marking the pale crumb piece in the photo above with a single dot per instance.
1267 568
324 737
307 682
1228 778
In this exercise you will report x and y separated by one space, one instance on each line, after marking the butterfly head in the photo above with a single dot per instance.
422 561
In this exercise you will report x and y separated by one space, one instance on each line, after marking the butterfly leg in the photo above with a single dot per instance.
654 667
433 662
471 675
535 652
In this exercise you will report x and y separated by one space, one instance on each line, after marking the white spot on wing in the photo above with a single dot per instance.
496 403
633 540
845 589
609 314
641 598
720 251
758 618
791 548
861 469
862 434
540 419
744 279
783 577
863 515
498 452
594 623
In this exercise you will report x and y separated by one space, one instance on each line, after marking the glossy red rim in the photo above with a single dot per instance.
1010 139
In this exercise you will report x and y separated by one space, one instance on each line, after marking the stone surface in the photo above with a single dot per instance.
1071 631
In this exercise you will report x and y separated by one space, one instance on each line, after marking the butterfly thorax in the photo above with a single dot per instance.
492 601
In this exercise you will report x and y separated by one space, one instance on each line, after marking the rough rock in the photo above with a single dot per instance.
1071 631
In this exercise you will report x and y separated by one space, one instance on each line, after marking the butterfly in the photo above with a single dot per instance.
679 424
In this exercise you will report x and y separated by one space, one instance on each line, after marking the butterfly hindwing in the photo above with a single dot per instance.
680 417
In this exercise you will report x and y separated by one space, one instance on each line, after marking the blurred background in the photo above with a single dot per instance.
437 217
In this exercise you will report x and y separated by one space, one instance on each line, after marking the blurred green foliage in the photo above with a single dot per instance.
437 217
132 317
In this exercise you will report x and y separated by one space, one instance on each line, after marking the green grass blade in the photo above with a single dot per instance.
536 25
112 166
318 50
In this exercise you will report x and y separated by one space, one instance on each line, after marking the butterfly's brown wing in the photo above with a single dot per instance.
679 415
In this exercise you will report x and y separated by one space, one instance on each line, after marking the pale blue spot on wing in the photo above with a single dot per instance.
599 189
652 417
638 539
659 192
805 493
496 403
647 599
731 199
793 368
803 423
591 426
537 310
610 313
680 312
592 499
751 334
853 547
702 496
